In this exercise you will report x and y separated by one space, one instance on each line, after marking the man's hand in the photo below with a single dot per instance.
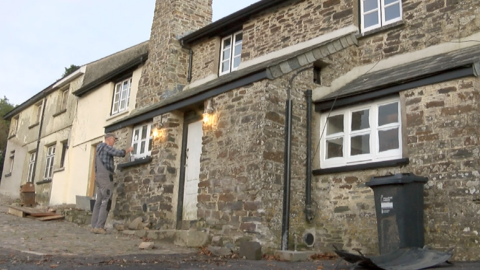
128 150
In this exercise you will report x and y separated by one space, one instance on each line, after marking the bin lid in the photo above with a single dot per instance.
398 178
27 187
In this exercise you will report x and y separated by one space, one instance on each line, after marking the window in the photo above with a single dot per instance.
14 125
377 13
12 161
63 99
31 164
37 112
230 55
64 153
121 96
49 163
142 141
361 134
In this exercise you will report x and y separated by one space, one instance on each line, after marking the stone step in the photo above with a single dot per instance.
183 238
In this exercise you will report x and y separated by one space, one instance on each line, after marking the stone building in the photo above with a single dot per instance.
268 124
397 81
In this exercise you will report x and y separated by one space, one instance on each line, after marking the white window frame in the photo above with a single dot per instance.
50 158
121 96
31 165
232 55
138 139
380 10
14 125
375 155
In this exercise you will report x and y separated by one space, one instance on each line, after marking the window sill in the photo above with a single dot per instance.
134 163
8 175
116 115
44 182
381 29
60 112
34 125
361 167
59 170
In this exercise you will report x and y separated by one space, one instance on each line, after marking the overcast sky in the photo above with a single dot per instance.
38 39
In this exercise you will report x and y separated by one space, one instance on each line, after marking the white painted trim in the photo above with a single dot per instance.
71 77
196 83
300 46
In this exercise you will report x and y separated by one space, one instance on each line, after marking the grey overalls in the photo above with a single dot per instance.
104 184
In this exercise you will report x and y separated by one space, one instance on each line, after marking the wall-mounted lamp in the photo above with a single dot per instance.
209 116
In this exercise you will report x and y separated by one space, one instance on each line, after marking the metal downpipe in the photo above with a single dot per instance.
39 136
287 174
309 214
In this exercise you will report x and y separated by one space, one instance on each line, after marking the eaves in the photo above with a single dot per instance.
270 69
109 76
229 22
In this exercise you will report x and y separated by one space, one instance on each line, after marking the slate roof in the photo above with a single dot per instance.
408 72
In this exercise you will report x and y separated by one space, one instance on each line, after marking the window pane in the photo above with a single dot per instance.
226 43
135 146
369 5
142 147
238 38
144 132
226 54
388 139
238 49
225 66
136 135
390 1
150 145
370 19
334 148
388 114
236 62
360 120
360 145
392 12
335 124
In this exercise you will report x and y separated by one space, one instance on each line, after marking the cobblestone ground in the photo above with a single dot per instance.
27 243
60 237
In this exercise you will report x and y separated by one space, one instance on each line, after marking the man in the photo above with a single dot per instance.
104 170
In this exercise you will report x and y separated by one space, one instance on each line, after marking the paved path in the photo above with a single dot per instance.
60 237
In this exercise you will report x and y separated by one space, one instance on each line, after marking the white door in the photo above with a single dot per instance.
192 170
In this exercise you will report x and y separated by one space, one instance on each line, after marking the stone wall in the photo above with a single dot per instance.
294 22
441 126
165 72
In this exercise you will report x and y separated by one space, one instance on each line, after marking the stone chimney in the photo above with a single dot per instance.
165 72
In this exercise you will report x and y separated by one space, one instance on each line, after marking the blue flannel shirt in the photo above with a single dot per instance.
106 153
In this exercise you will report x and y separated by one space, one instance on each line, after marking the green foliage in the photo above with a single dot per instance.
70 70
5 107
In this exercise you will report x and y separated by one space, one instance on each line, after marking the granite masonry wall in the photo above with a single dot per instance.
241 179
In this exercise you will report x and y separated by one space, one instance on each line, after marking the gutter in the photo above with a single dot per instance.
233 20
91 86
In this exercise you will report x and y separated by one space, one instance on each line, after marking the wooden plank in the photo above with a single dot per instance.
16 212
50 218
43 214
28 210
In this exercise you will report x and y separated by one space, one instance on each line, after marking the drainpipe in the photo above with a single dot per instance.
287 163
39 135
190 61
287 174
309 214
